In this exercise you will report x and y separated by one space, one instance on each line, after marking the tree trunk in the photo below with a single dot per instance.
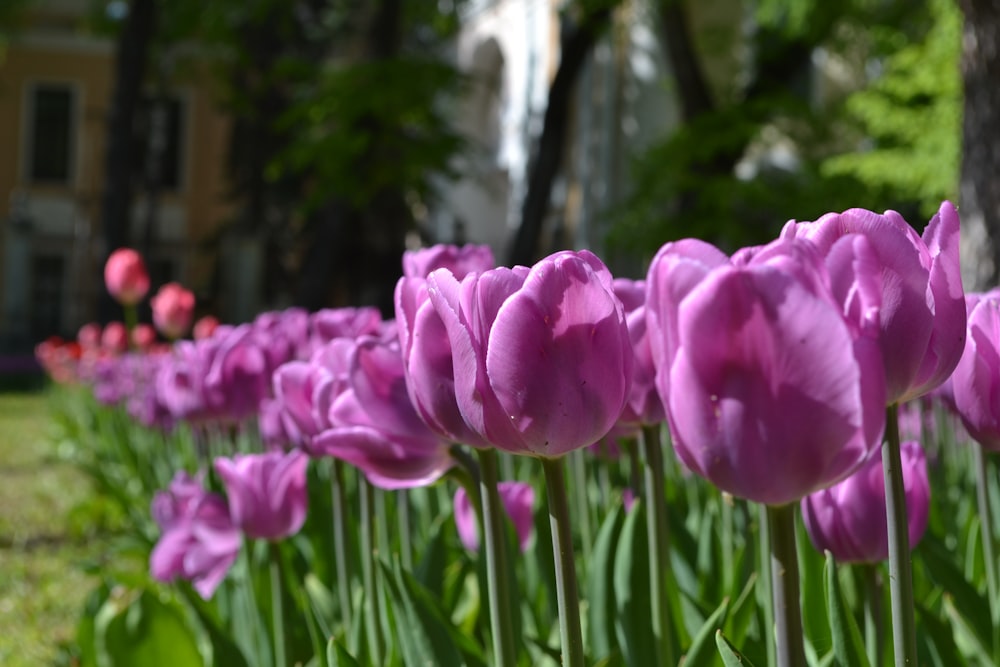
575 45
131 54
980 185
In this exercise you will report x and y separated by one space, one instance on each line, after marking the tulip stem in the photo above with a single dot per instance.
986 531
277 613
405 536
659 555
368 555
785 586
499 587
131 316
565 566
340 543
904 634
579 471
764 558
873 612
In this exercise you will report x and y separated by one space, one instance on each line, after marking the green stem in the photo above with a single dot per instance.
277 613
657 528
405 537
873 613
495 543
764 559
785 586
579 470
340 543
131 316
988 538
904 634
368 555
565 566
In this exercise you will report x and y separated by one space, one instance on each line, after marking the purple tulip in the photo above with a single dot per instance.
238 377
848 519
267 492
644 404
373 425
460 260
541 357
427 356
518 500
331 323
199 541
922 319
773 387
976 381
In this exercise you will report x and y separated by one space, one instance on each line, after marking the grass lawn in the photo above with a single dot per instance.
43 539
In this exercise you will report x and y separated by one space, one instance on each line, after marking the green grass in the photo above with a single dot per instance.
44 540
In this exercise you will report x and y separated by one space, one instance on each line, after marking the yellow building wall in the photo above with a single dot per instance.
87 64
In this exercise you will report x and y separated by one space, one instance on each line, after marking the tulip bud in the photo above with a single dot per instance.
173 309
125 276
266 492
517 499
848 519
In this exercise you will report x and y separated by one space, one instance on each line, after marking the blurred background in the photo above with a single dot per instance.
268 153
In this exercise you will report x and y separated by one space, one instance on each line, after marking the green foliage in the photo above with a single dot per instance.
911 118
371 126
787 146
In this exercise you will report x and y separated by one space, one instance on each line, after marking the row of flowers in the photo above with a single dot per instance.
773 368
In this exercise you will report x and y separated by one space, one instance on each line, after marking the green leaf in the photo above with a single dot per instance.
600 586
848 647
968 606
699 654
425 635
936 642
743 612
337 655
140 631
730 656
634 617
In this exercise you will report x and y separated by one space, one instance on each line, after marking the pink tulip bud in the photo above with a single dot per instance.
205 327
848 519
518 500
125 276
143 337
173 308
114 339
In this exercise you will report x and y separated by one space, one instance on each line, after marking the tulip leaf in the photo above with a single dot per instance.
700 654
600 586
965 633
634 617
730 656
143 631
966 602
426 635
815 623
936 640
848 647
743 611
337 655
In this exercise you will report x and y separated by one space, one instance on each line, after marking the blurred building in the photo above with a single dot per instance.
55 91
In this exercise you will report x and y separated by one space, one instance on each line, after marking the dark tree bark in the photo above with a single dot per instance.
131 55
980 180
354 251
675 30
575 44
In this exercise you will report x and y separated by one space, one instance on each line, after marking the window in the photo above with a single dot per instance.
48 274
161 125
50 149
